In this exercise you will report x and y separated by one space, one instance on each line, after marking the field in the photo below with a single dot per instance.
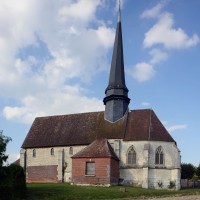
44 191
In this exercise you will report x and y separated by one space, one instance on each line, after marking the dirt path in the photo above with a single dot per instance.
191 197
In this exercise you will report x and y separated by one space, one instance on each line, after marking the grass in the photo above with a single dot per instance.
45 191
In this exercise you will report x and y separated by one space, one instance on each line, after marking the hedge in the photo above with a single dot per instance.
12 182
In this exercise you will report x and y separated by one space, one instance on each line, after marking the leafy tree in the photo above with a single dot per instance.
3 143
187 171
198 171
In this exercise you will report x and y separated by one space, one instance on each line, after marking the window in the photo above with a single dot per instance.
159 157
90 168
131 156
34 153
71 150
52 151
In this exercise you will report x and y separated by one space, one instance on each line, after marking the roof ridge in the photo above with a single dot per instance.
81 113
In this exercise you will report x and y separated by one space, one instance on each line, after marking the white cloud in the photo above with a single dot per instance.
142 72
153 12
157 56
146 104
41 85
71 100
105 36
176 127
165 34
75 11
162 33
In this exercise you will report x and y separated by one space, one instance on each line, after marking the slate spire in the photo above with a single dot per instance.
116 100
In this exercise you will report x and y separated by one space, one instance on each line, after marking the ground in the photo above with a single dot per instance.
191 197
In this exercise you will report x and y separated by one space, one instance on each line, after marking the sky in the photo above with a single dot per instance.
55 59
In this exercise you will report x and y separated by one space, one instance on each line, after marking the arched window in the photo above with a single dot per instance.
52 151
71 150
159 157
34 153
131 156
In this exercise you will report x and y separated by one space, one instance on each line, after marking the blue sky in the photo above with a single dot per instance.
55 59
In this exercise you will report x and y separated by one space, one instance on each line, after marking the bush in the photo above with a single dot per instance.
12 182
187 171
198 171
172 185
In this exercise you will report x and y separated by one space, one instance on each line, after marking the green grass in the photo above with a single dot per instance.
44 191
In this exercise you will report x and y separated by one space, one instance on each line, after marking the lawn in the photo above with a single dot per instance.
44 191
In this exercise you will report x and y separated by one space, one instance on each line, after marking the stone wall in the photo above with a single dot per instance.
144 173
43 158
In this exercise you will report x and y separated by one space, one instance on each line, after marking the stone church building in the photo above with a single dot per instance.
117 146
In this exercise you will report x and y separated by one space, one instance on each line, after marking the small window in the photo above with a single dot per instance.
90 168
52 151
34 153
159 157
131 160
71 150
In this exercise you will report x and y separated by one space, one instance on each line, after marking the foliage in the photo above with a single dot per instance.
187 171
12 178
172 185
160 184
64 191
3 143
12 183
198 171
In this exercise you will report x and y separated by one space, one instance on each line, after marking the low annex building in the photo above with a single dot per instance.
117 146
96 164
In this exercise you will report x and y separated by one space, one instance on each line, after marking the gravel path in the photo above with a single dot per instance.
191 197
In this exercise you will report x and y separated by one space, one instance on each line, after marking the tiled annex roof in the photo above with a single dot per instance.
84 128
100 148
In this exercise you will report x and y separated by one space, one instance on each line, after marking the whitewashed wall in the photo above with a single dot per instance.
145 173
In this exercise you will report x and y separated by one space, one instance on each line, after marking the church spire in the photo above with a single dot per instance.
119 12
116 100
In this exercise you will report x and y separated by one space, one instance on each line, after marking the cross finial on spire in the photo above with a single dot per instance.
119 12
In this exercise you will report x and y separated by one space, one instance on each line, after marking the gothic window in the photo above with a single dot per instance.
159 157
71 150
90 168
131 156
34 153
52 151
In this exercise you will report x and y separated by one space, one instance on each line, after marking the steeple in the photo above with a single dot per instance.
116 100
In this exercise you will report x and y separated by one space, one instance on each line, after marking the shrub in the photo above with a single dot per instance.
12 184
187 171
160 184
172 185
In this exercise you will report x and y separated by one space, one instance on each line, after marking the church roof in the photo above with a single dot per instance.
84 128
100 148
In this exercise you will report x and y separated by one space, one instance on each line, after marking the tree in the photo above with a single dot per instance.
187 171
198 171
3 143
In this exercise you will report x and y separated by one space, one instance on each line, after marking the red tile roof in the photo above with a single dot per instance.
100 148
84 128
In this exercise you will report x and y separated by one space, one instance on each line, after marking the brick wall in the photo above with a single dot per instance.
105 171
42 173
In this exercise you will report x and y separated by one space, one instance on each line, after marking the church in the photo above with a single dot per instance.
117 146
